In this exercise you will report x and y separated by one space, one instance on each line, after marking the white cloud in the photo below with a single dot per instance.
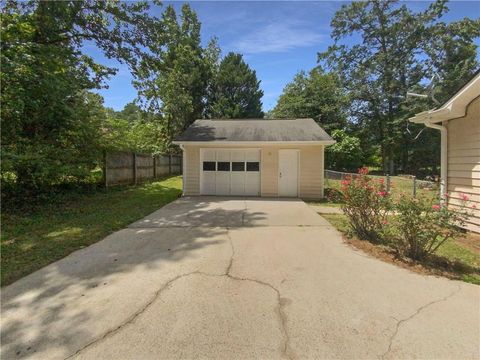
276 38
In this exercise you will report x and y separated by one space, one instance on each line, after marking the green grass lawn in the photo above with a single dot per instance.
37 237
452 250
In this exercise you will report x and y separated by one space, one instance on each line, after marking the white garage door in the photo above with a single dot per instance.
230 172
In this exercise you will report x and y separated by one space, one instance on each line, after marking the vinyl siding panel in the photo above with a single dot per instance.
191 176
311 172
269 171
311 169
464 162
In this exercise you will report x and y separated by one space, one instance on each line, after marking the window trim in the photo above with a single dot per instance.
214 165
239 162
224 162
252 162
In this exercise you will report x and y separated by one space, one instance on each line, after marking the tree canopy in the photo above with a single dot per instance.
235 91
174 80
54 125
51 123
317 95
397 51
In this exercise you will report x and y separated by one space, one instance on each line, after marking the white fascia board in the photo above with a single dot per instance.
256 143
455 108
441 114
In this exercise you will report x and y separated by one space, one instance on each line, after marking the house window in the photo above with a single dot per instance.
209 166
223 166
253 166
238 166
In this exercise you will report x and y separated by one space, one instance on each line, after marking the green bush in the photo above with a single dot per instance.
413 227
366 206
420 226
346 154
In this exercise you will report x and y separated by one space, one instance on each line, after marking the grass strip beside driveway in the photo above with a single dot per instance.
453 259
37 237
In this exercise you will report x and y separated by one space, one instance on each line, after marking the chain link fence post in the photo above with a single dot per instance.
414 186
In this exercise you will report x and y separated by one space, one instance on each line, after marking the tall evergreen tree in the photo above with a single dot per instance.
235 92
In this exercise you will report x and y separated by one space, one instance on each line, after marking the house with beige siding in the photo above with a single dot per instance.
254 157
458 120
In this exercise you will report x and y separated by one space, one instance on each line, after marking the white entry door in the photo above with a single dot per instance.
288 173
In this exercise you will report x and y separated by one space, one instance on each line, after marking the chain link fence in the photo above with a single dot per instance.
395 184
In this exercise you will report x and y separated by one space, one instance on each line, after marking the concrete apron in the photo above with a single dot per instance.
234 278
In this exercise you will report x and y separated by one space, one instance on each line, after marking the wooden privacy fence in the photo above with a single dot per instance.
132 168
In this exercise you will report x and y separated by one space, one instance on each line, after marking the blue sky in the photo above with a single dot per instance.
277 39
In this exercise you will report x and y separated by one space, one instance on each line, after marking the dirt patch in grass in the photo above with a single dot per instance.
454 262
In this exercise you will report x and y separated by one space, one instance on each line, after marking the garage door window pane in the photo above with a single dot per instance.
223 166
253 166
238 166
209 166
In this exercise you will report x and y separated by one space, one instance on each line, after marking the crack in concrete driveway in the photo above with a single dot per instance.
158 293
418 311
234 278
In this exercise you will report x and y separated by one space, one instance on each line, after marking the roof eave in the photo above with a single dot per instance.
432 116
257 143
455 107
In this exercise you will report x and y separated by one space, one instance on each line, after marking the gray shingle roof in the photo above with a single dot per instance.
254 130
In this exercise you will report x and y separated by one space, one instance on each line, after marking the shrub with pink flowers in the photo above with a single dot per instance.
420 226
414 227
366 205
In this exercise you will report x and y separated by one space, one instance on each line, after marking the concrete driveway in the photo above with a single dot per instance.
235 278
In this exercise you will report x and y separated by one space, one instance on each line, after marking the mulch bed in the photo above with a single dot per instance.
436 266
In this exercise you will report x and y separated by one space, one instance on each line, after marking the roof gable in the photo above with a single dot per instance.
254 130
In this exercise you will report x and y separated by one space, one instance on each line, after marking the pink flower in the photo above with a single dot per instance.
436 207
363 171
464 197
381 181
382 193
385 222
474 206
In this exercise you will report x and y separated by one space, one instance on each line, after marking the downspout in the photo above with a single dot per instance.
183 168
443 159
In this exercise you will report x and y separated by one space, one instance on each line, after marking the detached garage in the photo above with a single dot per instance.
271 158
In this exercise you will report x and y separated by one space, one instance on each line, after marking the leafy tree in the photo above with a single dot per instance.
346 154
174 79
132 129
51 123
397 50
315 95
235 91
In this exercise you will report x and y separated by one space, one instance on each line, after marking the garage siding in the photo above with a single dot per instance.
191 177
311 165
464 161
269 171
311 171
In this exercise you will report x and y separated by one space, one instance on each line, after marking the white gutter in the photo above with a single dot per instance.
443 158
